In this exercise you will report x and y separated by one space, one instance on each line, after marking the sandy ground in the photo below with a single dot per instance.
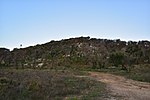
122 88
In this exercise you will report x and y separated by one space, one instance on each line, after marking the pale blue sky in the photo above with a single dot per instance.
31 22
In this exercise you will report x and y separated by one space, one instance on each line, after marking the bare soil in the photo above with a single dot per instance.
122 88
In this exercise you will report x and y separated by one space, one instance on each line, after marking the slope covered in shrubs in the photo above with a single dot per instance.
82 52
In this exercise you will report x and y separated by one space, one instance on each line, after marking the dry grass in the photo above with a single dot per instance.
29 84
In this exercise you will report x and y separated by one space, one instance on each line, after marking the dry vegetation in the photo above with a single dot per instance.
48 71
48 85
137 72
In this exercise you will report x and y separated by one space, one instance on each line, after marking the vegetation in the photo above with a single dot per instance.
137 72
140 73
48 71
117 59
48 85
82 51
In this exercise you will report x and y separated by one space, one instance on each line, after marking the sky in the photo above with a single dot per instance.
31 22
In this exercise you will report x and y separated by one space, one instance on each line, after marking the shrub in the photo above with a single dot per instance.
116 58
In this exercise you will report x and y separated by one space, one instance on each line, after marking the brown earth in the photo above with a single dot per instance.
121 88
126 88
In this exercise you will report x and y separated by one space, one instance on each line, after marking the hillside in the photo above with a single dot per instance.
81 52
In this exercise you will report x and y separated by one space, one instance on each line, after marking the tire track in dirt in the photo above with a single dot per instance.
120 87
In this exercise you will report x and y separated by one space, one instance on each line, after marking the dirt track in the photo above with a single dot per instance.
123 89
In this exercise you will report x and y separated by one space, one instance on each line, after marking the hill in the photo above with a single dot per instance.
81 52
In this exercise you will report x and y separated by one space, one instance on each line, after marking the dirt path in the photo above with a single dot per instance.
122 88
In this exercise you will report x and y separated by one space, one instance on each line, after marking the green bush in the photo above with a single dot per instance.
116 59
